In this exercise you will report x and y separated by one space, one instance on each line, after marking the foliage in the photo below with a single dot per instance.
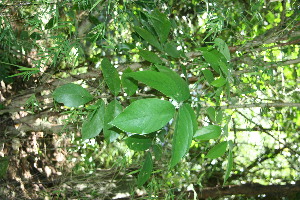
186 93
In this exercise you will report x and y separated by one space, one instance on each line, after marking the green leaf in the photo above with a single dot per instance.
169 83
112 110
150 56
171 49
224 68
93 125
161 24
144 116
138 142
157 150
219 82
4 161
72 95
208 75
223 48
208 132
50 23
146 170
193 118
147 36
183 134
219 117
229 166
130 85
212 59
111 76
211 113
217 151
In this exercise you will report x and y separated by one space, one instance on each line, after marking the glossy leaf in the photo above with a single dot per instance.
229 166
130 85
93 125
145 116
217 151
208 132
150 56
147 36
72 95
170 84
146 170
171 49
219 82
183 134
112 110
161 24
111 76
138 142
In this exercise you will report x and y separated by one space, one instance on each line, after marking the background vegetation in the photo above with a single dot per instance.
240 60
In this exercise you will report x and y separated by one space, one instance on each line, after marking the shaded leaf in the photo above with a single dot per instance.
171 49
4 161
157 150
112 110
130 85
147 36
208 132
217 151
146 170
150 56
183 133
161 24
72 95
212 59
211 113
138 142
229 166
93 125
111 76
144 116
222 48
208 75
